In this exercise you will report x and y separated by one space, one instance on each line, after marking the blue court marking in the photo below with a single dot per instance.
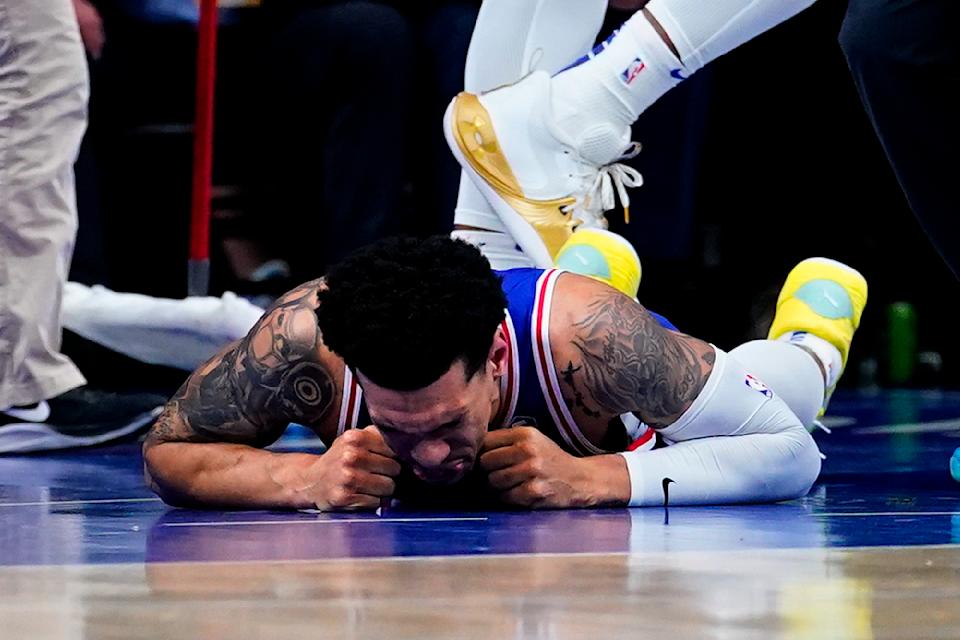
879 487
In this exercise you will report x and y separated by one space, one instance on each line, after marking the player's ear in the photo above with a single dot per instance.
499 353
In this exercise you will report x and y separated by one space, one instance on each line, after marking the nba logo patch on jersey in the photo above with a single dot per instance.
756 385
633 71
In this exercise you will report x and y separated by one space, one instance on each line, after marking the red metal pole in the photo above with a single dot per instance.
198 274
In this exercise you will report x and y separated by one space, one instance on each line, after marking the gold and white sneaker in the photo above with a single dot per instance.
542 183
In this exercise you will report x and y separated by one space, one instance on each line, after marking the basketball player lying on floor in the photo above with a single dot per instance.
556 402
418 365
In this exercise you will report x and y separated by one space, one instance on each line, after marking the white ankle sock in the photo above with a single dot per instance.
618 83
828 355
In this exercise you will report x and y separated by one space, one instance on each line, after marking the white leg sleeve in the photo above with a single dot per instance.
790 371
175 333
738 442
704 31
512 38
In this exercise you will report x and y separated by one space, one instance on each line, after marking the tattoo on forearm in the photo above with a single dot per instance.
629 362
250 392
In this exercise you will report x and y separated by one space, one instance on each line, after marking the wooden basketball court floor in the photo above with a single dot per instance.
86 552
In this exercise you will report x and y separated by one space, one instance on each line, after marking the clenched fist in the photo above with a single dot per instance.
530 470
355 473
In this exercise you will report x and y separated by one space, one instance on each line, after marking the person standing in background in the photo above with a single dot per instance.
44 88
904 56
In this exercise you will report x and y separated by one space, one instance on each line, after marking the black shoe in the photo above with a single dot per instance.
78 418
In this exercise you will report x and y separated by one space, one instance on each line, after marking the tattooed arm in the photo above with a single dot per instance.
206 447
613 358
731 442
626 361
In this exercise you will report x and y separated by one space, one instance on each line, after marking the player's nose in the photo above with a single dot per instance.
430 453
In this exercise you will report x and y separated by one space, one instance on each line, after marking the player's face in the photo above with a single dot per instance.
438 430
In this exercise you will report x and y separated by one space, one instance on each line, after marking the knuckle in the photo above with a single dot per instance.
539 489
351 436
350 457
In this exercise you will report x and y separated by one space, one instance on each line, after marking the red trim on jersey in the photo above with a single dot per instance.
351 406
568 432
507 400
642 440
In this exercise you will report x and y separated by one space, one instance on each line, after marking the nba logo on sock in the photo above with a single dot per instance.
756 385
632 72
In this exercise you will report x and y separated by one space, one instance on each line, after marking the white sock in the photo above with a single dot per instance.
618 83
828 355
637 66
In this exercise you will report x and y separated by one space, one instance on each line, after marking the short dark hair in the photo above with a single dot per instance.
403 310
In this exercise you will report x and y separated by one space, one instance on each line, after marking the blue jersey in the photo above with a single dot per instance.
530 388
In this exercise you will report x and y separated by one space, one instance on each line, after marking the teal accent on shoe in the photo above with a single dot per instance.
955 465
585 260
827 298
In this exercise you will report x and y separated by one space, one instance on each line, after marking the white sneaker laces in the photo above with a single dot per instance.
601 186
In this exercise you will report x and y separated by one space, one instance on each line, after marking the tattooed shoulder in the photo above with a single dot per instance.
279 373
622 360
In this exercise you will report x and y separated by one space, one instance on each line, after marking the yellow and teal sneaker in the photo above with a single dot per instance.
604 256
824 298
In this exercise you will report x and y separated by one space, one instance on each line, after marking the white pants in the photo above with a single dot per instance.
43 114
